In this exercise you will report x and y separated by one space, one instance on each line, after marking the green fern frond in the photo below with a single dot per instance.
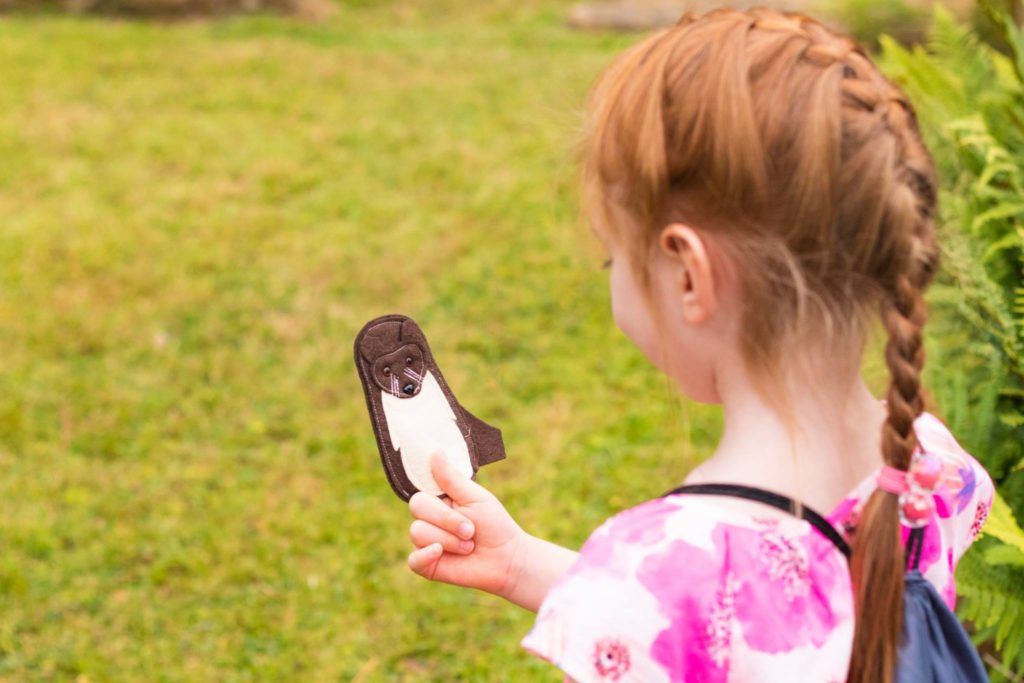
1004 554
1002 525
991 596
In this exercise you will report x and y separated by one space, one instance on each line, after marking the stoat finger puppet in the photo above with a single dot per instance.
413 411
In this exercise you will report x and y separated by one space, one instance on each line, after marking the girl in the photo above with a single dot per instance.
765 197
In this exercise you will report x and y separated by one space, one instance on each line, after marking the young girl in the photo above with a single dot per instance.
766 198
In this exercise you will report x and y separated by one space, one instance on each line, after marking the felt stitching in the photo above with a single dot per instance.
392 475
474 456
393 479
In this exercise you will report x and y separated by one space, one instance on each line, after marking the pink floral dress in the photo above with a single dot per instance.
702 588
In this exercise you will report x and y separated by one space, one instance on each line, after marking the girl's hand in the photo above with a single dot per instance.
466 538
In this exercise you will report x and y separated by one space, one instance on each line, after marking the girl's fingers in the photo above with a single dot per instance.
430 509
424 560
424 533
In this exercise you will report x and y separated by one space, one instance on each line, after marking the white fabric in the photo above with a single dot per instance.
421 424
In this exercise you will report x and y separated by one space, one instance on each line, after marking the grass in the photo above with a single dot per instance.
197 219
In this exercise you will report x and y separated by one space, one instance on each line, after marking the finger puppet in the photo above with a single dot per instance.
413 411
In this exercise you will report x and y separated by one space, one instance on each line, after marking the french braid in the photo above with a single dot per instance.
878 562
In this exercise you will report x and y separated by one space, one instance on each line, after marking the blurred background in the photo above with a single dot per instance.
202 201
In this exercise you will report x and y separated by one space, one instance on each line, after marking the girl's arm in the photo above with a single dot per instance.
535 567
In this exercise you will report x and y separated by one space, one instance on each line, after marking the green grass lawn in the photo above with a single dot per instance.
197 218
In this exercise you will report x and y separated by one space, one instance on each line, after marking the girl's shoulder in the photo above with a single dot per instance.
691 586
964 496
965 486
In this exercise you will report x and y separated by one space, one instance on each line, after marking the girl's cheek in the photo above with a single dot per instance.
690 361
626 319
621 299
631 321
687 361
697 383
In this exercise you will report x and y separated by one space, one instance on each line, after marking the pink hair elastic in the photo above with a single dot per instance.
914 486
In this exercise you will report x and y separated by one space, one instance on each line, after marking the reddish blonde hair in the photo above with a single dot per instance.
782 143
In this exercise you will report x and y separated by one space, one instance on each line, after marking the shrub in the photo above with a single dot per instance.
970 101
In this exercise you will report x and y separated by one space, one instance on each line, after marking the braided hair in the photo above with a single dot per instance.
785 144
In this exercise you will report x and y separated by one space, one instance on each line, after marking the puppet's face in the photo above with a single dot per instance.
400 372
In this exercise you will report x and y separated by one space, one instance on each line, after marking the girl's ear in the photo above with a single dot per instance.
688 254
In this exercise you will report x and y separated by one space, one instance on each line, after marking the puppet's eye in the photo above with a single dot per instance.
408 360
387 370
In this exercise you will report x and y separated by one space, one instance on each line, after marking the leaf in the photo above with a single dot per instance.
1005 554
1002 525
1012 34
1008 241
991 598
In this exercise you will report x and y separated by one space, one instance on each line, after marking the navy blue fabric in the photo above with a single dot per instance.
935 648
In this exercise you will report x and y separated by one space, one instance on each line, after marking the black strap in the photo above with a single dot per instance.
770 498
914 542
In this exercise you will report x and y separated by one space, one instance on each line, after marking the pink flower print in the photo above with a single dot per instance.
720 622
771 620
980 515
949 589
686 580
611 658
638 526
968 483
766 521
786 561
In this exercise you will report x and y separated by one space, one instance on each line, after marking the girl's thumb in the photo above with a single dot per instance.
459 488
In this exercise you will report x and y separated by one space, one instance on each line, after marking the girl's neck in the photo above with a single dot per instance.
833 446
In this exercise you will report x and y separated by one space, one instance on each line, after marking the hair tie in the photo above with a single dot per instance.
914 486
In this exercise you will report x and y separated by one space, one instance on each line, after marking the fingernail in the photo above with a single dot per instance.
465 546
466 530
435 549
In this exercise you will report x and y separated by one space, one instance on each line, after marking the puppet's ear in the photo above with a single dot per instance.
379 339
411 332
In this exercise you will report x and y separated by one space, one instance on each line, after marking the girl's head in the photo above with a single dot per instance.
759 182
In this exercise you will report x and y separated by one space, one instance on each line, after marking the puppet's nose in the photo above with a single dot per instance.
409 388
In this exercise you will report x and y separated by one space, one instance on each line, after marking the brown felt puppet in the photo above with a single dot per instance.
413 411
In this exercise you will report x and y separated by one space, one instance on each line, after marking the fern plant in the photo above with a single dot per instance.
990 583
970 101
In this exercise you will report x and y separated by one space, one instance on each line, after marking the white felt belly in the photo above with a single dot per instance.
421 425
